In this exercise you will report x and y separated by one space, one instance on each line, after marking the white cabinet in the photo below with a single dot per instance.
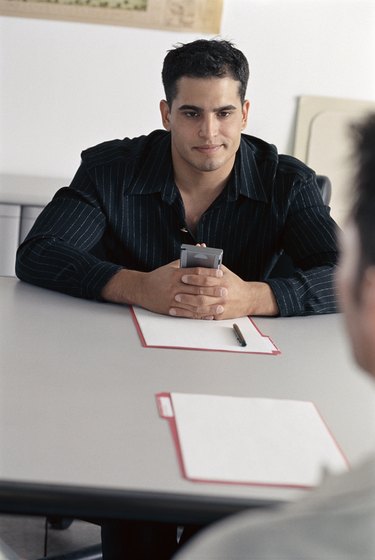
22 198
28 216
9 237
15 223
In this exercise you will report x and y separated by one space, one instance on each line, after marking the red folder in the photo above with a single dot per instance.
293 435
162 331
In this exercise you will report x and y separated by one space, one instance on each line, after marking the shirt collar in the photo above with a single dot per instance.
156 171
245 179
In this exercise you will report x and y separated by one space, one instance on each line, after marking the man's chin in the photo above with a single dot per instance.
210 165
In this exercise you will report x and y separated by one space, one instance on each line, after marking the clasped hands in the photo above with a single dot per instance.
195 293
204 293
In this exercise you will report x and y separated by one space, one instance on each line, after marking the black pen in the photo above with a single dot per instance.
239 335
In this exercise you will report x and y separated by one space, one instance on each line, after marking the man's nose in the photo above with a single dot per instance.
209 126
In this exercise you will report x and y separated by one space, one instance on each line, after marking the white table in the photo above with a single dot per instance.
80 434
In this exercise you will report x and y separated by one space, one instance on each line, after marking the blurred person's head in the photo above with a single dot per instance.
356 273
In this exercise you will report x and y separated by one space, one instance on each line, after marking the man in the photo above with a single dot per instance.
115 233
336 522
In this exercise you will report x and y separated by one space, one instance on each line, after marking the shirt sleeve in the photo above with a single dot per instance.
63 249
310 240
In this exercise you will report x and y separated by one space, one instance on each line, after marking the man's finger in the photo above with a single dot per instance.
202 277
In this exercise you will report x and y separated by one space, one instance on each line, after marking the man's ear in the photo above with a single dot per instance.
165 114
245 113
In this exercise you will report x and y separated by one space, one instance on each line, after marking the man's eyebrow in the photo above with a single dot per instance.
225 108
190 108
199 109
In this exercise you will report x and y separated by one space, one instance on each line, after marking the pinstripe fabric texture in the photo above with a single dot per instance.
123 209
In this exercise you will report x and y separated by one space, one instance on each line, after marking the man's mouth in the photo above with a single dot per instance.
208 148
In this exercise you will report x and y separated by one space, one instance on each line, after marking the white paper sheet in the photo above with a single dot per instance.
173 332
252 440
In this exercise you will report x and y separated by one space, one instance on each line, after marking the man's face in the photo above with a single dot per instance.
205 121
357 302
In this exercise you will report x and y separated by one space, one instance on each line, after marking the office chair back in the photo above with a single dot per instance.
283 267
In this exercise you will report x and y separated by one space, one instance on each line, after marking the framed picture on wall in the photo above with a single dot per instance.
182 15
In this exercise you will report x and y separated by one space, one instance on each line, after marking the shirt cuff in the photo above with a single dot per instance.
288 302
95 280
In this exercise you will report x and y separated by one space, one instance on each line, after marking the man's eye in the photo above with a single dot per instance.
191 114
224 114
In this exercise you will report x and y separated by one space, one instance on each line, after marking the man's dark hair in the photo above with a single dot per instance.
204 58
363 212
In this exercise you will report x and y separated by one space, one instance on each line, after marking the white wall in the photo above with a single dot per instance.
66 86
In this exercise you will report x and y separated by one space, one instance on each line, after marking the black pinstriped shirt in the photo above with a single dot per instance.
123 209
